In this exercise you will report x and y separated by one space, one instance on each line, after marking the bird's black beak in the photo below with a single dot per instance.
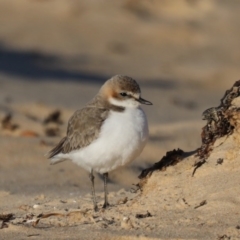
143 101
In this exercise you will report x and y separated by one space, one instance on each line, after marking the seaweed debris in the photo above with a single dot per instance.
172 158
218 122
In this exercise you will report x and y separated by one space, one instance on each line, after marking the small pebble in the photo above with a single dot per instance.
36 206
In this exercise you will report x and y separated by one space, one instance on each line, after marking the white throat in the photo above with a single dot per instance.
128 103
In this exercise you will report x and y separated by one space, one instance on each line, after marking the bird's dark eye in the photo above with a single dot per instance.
123 94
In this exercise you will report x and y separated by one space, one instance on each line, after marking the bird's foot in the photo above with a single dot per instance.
95 208
106 205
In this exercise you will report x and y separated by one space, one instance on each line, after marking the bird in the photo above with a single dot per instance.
108 132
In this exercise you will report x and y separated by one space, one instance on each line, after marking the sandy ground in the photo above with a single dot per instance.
54 55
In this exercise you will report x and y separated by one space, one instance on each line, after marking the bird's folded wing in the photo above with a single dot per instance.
83 128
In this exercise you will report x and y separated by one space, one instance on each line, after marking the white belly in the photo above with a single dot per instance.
122 138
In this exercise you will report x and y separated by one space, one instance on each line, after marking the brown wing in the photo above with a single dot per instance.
83 127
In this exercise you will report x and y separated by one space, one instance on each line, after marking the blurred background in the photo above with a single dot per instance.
55 54
169 46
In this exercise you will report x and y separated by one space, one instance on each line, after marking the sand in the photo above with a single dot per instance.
54 56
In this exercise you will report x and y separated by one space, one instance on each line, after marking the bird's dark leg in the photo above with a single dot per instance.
93 191
106 204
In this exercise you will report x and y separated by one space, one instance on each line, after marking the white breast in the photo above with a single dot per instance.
122 138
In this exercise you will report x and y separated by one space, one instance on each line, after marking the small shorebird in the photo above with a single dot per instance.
109 132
